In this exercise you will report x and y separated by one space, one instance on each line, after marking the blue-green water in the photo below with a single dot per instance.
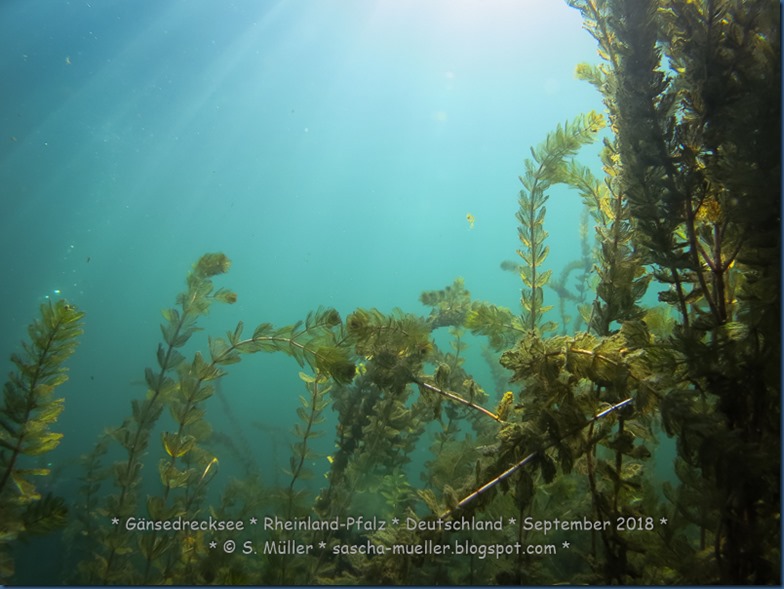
332 149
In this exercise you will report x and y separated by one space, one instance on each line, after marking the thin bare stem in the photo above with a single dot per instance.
457 398
510 471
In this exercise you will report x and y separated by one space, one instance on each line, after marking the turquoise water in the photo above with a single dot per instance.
331 149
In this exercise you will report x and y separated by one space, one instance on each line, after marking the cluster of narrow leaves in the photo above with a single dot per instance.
448 306
309 414
693 94
182 386
396 345
545 168
292 569
691 176
28 411
172 381
502 327
317 341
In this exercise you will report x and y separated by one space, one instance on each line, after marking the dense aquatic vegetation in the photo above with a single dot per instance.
687 206
28 412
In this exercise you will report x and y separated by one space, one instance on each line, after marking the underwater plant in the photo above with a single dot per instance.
26 416
581 269
545 168
698 159
186 469
684 207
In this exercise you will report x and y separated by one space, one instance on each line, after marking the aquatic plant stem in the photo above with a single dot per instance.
134 434
46 351
301 458
510 471
592 483
457 398
151 410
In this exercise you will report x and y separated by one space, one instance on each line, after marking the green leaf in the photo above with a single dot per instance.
549 165
212 264
543 278
49 412
41 443
125 474
171 476
307 379
498 324
177 445
172 316
235 337
46 515
150 379
222 353
547 467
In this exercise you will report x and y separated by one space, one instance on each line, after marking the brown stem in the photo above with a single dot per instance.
510 471
457 398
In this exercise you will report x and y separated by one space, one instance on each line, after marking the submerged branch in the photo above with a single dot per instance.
457 398
510 471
